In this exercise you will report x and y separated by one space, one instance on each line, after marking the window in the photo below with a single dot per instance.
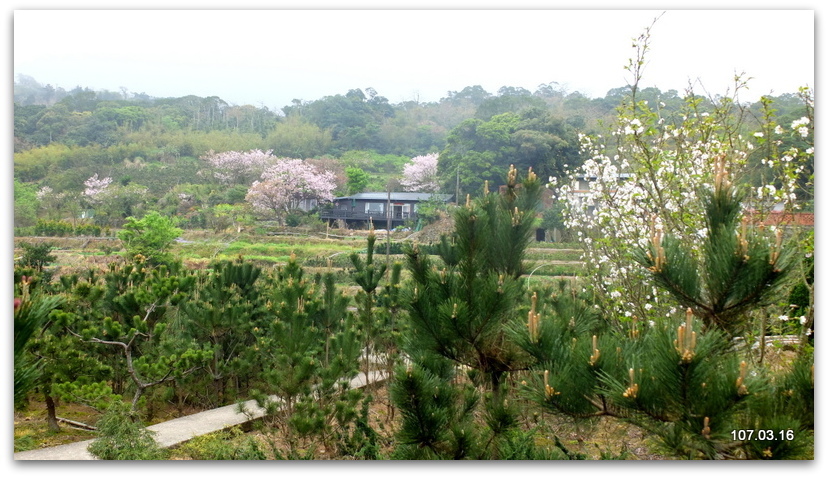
374 208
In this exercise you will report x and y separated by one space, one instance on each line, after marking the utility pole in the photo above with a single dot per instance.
388 227
457 186
391 185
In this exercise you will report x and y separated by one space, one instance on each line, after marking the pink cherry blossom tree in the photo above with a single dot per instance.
288 182
421 174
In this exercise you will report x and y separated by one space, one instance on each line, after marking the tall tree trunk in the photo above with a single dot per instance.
51 413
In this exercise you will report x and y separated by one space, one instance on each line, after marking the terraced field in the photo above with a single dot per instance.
314 251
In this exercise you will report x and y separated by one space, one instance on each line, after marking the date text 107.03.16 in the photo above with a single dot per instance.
749 434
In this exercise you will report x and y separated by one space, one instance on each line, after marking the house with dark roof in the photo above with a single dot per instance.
359 209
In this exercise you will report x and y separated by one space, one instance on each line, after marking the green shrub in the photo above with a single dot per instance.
150 236
53 228
122 437
37 256
225 445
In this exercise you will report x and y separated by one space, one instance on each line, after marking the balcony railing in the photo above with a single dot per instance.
364 216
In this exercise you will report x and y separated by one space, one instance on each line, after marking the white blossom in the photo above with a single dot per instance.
800 122
43 192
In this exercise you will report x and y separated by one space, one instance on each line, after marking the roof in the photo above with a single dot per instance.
383 196
781 218
594 178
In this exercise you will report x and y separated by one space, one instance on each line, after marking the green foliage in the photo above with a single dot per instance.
558 338
460 312
97 395
375 164
307 347
149 237
360 440
784 413
53 228
30 315
295 137
435 423
431 210
553 218
231 444
696 387
738 269
438 419
367 275
477 149
91 337
357 180
130 322
37 256
64 361
46 227
122 437
289 342
25 204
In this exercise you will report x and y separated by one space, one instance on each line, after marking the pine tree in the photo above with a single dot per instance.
390 320
459 317
334 311
785 413
436 416
368 276
220 314
571 347
63 359
459 312
736 270
308 346
135 301
289 343
685 385
30 315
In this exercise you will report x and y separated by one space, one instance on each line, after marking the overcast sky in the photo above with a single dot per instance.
270 57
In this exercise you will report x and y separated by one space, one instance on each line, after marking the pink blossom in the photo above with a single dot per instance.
288 182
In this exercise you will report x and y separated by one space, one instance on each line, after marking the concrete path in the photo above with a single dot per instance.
179 430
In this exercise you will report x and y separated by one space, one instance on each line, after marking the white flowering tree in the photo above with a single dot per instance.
288 182
238 167
96 188
786 150
113 202
645 179
51 202
421 174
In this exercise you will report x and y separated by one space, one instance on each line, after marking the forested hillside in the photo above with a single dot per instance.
153 150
